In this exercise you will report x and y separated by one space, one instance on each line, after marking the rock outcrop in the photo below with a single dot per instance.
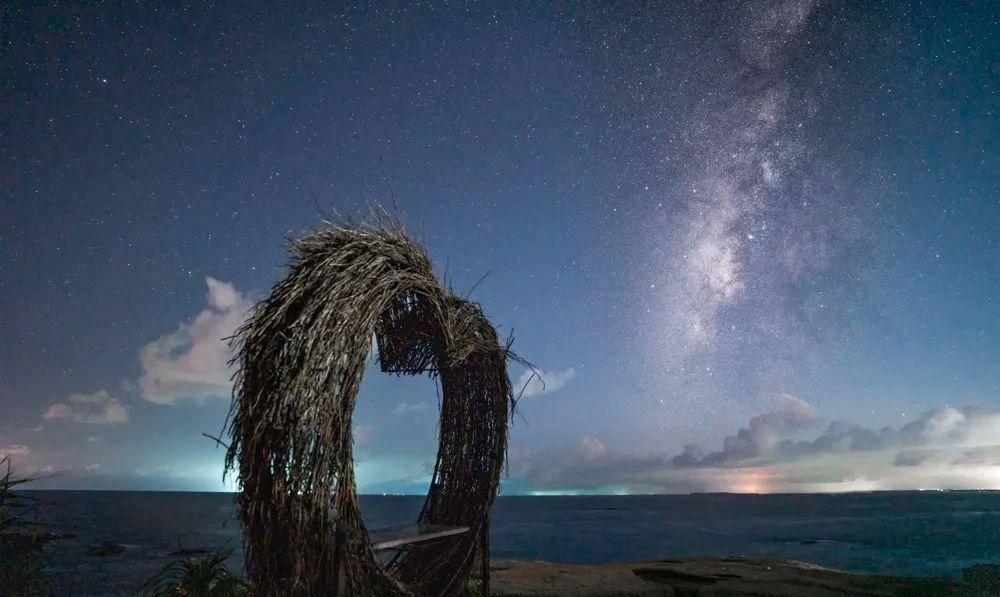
695 577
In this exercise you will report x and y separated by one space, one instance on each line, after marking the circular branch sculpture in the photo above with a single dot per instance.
301 356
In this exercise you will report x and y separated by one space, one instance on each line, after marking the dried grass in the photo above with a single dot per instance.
301 356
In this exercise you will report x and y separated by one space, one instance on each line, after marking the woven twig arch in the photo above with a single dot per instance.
301 356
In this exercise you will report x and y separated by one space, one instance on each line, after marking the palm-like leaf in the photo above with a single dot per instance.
203 577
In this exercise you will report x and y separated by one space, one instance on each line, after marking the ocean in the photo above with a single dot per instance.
906 533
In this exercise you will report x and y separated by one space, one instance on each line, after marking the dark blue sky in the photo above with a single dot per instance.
693 217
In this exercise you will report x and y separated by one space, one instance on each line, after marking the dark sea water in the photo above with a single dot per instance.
908 533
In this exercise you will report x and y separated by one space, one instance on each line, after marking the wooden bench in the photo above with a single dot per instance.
398 537
409 534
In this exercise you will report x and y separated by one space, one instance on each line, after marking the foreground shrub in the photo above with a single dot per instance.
21 541
201 577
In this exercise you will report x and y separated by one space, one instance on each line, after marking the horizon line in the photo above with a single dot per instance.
561 495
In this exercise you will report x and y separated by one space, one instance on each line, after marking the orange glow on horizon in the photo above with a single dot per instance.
751 481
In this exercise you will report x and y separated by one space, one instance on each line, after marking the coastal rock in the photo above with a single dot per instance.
189 551
695 577
106 548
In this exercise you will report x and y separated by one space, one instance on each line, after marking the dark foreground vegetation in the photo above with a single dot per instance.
22 541
203 577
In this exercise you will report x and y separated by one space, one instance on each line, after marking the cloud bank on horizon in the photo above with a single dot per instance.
791 449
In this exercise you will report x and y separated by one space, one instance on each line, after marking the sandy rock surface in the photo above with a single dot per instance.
690 577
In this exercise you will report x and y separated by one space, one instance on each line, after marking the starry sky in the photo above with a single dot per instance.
750 246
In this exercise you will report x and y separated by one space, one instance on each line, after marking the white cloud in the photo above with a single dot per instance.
760 437
93 467
769 436
192 362
14 450
98 408
406 408
541 382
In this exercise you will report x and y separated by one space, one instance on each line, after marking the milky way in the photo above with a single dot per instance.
760 230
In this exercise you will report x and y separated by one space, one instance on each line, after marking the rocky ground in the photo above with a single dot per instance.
690 577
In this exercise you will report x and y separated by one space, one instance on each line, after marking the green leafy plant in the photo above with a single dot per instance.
474 589
21 542
196 577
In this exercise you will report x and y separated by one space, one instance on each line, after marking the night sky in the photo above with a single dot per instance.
752 247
